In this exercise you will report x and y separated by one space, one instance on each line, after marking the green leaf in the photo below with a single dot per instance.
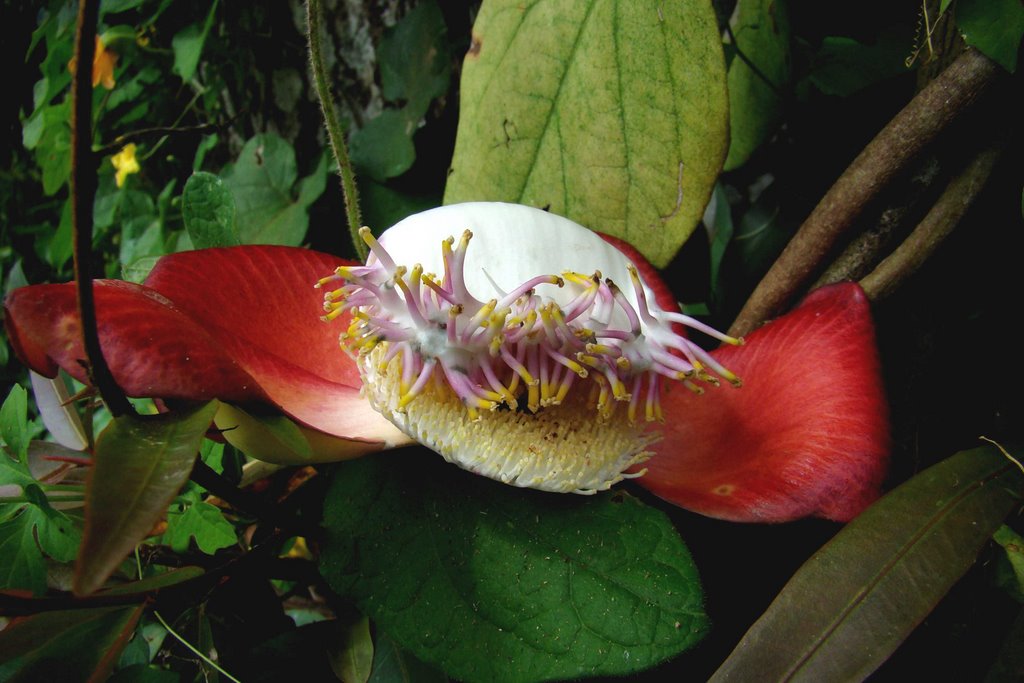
140 464
270 438
21 560
391 664
14 424
505 584
761 28
414 62
72 645
993 26
848 608
138 270
843 66
261 182
383 148
352 657
1013 579
720 237
208 209
203 522
188 45
613 114
58 535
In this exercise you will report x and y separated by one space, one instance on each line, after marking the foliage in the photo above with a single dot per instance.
398 568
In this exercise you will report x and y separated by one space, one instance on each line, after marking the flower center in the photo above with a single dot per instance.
575 340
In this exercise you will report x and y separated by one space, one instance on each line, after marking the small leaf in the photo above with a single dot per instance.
137 271
73 645
58 535
14 431
843 66
761 28
208 209
1013 544
413 56
848 608
505 584
993 26
383 147
203 522
188 45
352 660
140 464
613 114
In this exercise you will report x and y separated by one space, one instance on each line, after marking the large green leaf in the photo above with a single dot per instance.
261 181
993 26
761 29
140 464
73 645
21 561
613 114
494 583
848 608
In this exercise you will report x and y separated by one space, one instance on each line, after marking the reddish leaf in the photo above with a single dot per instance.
807 434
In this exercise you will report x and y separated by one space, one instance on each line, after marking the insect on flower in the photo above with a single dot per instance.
535 366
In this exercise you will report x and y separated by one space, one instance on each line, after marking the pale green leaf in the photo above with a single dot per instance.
188 45
203 522
352 658
14 424
504 584
613 114
21 560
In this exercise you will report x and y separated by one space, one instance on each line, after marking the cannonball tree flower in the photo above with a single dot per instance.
516 344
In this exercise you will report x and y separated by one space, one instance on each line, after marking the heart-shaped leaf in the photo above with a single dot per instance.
140 464
494 583
848 608
613 114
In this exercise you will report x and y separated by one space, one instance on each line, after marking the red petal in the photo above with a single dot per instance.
807 434
238 324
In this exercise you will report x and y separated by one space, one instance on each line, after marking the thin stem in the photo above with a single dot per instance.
896 146
940 221
334 132
83 195
193 649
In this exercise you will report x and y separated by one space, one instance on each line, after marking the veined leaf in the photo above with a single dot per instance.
140 464
208 209
496 583
613 114
849 607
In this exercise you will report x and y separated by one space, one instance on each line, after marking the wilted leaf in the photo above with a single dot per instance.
761 28
613 114
208 209
140 464
59 415
73 645
504 584
848 608
261 182
993 26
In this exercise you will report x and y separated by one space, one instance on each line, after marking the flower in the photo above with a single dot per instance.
103 62
125 163
806 435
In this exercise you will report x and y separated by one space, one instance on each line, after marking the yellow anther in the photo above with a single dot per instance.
467 235
533 396
623 364
332 315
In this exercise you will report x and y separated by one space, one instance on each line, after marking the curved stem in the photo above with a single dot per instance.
334 132
898 144
83 195
951 206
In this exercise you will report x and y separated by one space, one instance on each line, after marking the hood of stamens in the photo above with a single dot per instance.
477 333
